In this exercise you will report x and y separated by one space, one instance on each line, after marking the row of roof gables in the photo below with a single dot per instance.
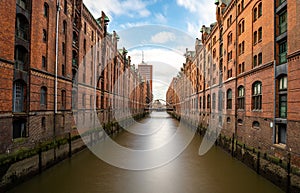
219 3
190 55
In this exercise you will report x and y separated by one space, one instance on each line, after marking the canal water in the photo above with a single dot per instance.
215 172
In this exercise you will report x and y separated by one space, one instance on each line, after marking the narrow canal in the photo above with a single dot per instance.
215 172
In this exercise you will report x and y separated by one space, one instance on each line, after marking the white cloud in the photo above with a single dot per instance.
160 18
204 12
163 37
194 29
130 8
130 25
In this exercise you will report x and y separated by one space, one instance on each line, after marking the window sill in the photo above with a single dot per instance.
257 110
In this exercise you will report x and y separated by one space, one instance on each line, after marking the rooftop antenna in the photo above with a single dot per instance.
143 56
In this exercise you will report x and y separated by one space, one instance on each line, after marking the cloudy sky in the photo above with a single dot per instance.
162 29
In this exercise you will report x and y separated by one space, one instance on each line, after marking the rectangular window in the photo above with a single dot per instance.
214 101
259 58
257 96
44 62
282 23
259 34
19 129
283 105
63 70
65 6
229 56
44 35
255 37
282 52
63 49
241 68
43 99
241 98
283 83
63 99
281 133
254 61
83 100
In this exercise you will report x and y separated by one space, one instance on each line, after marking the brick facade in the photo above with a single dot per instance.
48 80
248 60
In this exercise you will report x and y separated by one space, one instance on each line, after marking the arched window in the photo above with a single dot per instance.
228 120
240 121
241 97
24 4
63 99
255 124
241 26
259 9
254 14
229 99
43 99
208 101
46 10
22 27
214 53
257 96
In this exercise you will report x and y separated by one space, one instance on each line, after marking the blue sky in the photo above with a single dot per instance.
162 29
186 15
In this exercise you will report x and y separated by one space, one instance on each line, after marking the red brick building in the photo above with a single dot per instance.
245 75
58 64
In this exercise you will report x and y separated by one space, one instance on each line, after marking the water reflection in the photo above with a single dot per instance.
215 172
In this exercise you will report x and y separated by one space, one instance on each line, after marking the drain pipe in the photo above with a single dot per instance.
56 66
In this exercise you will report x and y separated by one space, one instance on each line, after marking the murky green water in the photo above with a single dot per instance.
215 172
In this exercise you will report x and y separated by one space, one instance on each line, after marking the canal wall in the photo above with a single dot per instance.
280 172
23 164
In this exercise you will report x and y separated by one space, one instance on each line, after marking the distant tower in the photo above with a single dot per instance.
145 71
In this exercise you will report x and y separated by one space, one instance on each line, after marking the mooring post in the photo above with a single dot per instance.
40 160
70 144
258 162
288 173
232 145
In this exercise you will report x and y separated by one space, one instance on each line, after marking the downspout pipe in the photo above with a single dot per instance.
56 65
